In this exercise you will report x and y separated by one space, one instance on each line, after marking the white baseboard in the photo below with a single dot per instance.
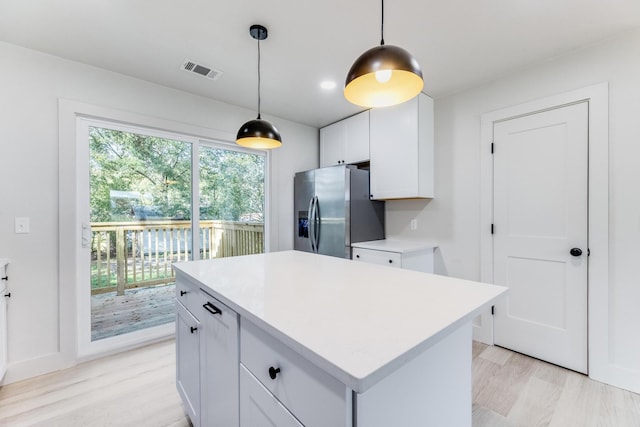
25 369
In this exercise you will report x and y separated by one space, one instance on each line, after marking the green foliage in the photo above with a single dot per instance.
137 177
231 185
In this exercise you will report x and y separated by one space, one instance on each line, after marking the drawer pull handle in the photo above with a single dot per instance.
212 308
390 261
273 372
7 295
183 293
194 329
5 278
357 256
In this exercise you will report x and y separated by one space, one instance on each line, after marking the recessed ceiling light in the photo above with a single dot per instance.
328 85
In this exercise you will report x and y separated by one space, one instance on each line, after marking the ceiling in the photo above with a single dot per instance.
459 43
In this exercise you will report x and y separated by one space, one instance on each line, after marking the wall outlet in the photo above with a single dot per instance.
22 225
414 224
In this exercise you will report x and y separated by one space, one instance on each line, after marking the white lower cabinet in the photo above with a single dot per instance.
207 360
232 373
409 255
293 381
391 259
188 362
4 294
219 363
259 408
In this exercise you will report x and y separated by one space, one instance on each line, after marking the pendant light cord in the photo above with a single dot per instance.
259 79
382 26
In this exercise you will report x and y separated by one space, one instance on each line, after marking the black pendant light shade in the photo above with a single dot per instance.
258 133
383 76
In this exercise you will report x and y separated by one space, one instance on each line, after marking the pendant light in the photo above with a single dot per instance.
383 76
258 133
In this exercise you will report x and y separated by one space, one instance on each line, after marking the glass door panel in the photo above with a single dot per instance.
140 213
232 202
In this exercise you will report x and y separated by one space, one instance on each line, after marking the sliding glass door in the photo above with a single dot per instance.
147 193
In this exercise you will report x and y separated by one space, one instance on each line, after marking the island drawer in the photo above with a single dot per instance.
259 407
188 294
299 385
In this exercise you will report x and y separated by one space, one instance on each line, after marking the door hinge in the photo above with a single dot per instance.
493 310
491 228
492 148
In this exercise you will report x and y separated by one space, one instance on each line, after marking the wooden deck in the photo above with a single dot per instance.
138 308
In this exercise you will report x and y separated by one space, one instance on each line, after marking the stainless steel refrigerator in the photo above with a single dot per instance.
332 210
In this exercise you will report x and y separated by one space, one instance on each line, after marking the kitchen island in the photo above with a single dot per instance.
298 339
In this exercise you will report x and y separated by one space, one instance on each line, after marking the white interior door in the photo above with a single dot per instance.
540 234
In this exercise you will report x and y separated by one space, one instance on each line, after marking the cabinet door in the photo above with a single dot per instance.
394 149
3 332
298 385
333 144
188 362
357 138
346 141
259 408
219 364
402 150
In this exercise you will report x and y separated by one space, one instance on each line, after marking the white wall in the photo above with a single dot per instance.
30 85
452 218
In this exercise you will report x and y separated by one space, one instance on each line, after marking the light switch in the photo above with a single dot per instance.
22 225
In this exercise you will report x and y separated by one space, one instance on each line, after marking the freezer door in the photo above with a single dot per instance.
303 193
331 190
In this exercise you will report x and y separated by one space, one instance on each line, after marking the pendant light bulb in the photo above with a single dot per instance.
258 133
383 76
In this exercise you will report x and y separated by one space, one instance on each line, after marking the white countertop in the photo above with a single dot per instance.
359 322
395 245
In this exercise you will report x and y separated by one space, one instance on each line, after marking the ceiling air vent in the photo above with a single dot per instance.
203 70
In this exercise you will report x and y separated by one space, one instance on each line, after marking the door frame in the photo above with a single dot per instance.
598 214
70 114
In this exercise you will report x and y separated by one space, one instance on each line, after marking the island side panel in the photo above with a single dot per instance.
434 389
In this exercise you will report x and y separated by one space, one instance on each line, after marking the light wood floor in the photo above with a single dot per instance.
137 388
510 389
134 388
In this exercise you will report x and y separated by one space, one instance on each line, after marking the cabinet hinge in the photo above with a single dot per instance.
491 228
492 148
493 310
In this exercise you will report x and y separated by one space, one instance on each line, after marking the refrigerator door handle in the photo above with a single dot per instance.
312 202
317 225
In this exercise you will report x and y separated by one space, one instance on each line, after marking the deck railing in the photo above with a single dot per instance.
137 254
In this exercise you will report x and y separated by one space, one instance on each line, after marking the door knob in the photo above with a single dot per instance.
273 372
575 251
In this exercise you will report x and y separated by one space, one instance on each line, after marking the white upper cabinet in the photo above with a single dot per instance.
402 150
346 141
